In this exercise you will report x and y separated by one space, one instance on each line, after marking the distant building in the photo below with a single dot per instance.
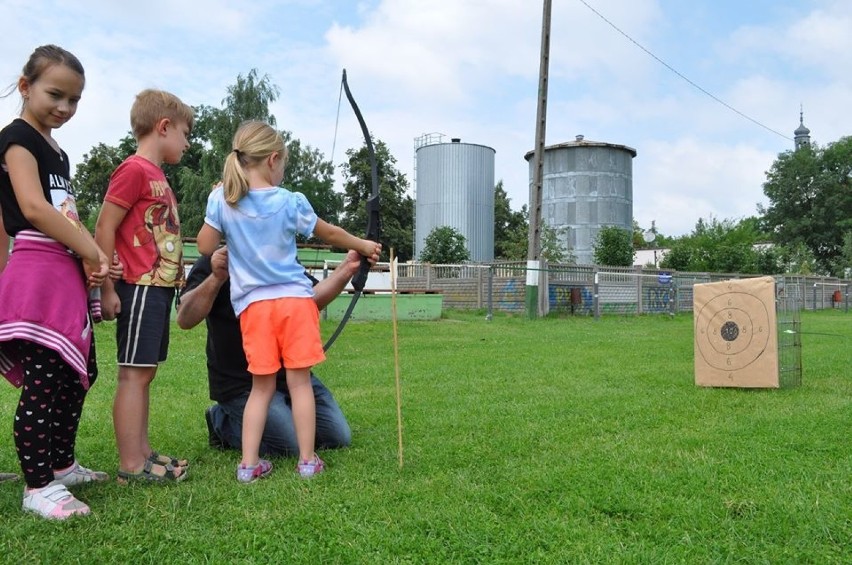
649 257
802 135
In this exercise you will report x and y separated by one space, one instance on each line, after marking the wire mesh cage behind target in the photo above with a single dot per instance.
787 307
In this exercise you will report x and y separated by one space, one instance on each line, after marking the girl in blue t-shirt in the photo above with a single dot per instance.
274 300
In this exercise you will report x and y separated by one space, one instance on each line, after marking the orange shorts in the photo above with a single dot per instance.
282 329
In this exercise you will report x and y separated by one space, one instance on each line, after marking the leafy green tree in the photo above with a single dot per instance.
678 258
768 259
552 249
92 174
798 259
843 263
510 227
614 247
397 208
638 237
725 246
444 245
810 201
310 173
515 244
660 240
663 241
201 166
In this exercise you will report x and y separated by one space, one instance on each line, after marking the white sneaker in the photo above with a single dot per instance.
53 502
77 475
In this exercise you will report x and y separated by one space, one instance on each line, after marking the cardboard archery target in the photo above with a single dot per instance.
736 344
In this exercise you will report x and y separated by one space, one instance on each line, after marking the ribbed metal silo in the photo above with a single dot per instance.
455 188
586 185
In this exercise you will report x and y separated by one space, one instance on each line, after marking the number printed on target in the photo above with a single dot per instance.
732 330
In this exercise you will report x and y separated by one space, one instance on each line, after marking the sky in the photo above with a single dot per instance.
470 69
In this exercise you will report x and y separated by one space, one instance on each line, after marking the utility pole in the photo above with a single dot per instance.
534 278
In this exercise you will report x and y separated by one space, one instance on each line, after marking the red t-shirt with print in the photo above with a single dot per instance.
148 239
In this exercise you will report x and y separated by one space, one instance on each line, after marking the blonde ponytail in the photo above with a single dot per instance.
253 143
234 178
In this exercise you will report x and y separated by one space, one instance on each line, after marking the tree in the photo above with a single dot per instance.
201 166
725 246
552 249
311 174
92 174
798 259
510 227
638 236
397 208
678 258
614 247
515 244
843 263
444 245
660 240
810 201
768 259
511 233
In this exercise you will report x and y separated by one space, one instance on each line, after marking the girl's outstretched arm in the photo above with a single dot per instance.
339 237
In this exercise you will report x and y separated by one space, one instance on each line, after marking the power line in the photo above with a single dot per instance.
675 71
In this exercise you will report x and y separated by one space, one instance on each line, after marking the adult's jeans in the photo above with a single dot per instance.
279 435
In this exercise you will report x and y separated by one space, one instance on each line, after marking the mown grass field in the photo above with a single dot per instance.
525 441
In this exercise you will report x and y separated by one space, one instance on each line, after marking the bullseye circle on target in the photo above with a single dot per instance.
733 330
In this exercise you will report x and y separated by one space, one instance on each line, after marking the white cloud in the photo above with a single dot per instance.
680 181
469 69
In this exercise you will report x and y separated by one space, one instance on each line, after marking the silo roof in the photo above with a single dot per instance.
454 144
583 143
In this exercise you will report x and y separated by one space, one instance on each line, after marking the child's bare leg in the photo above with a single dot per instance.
144 443
130 416
254 416
304 410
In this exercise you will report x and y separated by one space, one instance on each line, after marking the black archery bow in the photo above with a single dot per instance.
372 207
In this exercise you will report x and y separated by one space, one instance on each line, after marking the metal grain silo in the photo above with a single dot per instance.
455 188
586 185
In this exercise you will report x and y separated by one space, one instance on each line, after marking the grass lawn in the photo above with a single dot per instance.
525 441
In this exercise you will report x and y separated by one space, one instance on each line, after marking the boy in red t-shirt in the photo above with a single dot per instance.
139 221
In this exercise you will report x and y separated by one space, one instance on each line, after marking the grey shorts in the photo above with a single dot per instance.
142 333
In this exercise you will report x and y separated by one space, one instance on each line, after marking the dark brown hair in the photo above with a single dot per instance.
42 59
45 56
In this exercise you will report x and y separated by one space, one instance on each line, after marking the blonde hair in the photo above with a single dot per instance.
151 106
253 142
